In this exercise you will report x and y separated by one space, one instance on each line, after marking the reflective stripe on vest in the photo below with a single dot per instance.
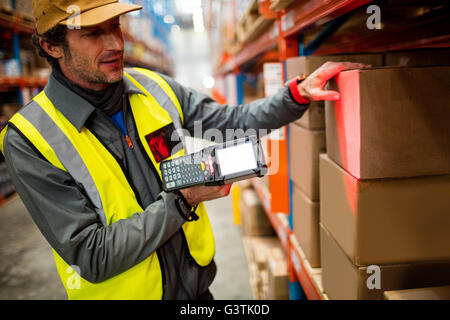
92 166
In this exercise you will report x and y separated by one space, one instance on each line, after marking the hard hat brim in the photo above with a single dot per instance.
99 15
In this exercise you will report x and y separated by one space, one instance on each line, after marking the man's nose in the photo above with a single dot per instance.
113 41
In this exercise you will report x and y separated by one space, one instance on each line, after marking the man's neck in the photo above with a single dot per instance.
109 100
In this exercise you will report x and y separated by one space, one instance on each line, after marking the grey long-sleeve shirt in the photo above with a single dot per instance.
67 218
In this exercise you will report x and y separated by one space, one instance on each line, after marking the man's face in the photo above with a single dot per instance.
95 55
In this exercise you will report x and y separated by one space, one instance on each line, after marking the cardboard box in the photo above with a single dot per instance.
306 216
24 8
254 219
260 247
386 221
257 249
314 117
278 281
343 280
433 293
390 122
304 149
415 58
6 5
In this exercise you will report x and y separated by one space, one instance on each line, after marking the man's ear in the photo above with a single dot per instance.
54 51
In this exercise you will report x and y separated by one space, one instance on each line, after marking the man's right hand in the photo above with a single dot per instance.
312 88
195 195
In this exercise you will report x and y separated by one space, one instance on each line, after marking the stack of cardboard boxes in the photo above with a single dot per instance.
267 268
376 220
254 220
385 183
306 142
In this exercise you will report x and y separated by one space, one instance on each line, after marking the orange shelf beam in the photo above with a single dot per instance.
22 82
292 21
16 22
297 264
302 14
281 229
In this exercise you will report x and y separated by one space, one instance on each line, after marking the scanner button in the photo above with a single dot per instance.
203 166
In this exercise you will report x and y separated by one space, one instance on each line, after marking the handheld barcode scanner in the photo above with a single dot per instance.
215 165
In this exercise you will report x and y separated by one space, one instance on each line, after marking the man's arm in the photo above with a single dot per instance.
66 217
270 113
266 114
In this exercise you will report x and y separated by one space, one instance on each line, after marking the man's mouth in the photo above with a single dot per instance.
112 61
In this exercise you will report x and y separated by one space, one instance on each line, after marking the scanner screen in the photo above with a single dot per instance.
236 159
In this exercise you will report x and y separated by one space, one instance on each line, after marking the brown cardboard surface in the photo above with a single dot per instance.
306 216
260 247
415 58
278 283
433 293
314 117
390 122
304 149
342 280
386 221
254 219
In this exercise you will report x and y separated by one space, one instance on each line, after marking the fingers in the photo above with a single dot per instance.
326 95
207 193
355 65
222 191
312 87
330 69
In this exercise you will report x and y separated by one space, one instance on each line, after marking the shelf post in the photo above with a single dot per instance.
240 77
288 47
16 53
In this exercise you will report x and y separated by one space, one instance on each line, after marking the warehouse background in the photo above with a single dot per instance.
356 205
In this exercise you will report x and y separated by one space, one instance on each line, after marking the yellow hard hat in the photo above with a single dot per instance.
77 13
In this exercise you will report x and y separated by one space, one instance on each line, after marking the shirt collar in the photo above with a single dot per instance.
76 109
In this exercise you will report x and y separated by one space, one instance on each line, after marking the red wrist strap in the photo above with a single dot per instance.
293 87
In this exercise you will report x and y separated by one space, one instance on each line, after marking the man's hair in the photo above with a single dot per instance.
56 36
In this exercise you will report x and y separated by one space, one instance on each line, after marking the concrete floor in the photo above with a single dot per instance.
27 269
232 280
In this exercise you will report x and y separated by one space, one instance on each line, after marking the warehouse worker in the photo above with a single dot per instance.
84 158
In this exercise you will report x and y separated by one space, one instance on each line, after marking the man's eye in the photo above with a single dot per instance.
92 33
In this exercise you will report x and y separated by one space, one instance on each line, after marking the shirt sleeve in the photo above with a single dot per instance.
67 219
201 113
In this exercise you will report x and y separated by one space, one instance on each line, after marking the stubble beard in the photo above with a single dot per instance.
86 71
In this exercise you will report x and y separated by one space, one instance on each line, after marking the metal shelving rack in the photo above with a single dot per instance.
319 27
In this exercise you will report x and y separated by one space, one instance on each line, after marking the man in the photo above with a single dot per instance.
82 157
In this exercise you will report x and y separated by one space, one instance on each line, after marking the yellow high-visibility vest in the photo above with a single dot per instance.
86 159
